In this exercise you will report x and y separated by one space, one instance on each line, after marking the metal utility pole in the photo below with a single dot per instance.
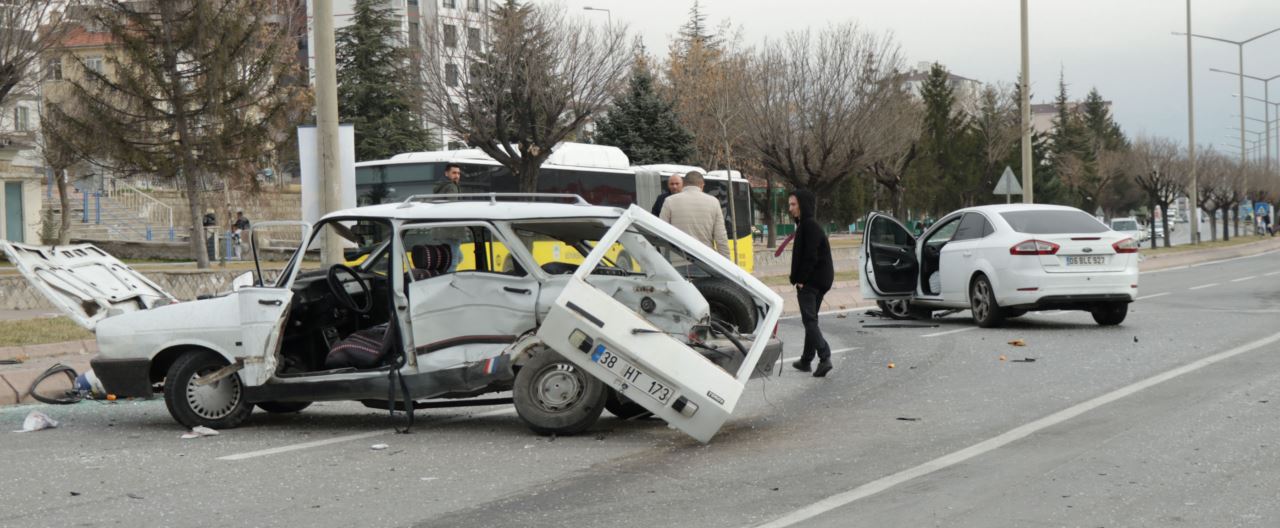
1027 195
1191 141
1266 107
1240 48
327 124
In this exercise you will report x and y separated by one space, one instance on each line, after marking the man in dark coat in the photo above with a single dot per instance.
812 273
675 184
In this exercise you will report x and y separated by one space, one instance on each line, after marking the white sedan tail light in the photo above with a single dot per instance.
1034 247
1127 245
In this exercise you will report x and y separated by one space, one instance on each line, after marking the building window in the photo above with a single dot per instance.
413 34
53 70
21 118
450 4
451 74
450 36
473 39
93 63
473 5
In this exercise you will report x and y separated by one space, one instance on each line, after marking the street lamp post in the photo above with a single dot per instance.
1027 195
1269 104
608 15
1266 108
1240 49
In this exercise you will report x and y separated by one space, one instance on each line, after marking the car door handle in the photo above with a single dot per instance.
271 302
523 291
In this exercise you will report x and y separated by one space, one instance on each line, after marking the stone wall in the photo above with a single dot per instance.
17 294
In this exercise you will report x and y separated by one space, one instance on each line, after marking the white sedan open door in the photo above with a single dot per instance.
653 367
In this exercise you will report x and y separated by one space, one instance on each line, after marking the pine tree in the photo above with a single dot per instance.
377 90
945 140
695 32
644 126
197 92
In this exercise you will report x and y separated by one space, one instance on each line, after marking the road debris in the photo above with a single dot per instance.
378 447
199 431
899 325
1025 360
906 419
36 421
1018 342
891 365
1002 358
1135 339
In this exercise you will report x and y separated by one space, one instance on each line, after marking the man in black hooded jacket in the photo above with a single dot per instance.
811 273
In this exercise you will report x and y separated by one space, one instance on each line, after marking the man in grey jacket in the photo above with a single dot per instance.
698 214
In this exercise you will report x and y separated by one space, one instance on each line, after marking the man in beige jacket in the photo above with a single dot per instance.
698 214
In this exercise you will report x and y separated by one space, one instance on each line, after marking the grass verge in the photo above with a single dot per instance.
40 331
1216 244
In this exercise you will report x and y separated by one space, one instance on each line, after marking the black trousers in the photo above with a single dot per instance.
810 302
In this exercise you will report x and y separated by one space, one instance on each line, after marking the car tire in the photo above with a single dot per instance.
554 397
1011 313
218 405
903 309
276 407
728 303
1110 314
622 407
983 305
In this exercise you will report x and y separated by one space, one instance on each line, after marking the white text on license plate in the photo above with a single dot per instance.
1086 260
654 388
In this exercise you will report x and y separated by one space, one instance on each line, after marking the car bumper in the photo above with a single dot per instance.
1068 290
125 378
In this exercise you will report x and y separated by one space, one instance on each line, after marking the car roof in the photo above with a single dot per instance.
470 210
1008 208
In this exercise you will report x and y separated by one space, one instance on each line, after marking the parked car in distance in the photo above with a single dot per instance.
1130 227
1001 261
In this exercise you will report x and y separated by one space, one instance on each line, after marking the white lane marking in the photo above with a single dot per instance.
1270 274
348 438
1203 286
1242 279
1018 433
956 331
1152 296
833 352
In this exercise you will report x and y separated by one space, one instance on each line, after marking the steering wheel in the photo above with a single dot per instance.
340 291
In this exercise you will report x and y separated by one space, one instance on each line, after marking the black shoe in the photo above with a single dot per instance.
802 366
824 367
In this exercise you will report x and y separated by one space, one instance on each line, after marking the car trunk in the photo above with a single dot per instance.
85 282
1083 253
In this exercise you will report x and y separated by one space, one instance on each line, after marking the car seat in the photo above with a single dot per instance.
362 349
430 260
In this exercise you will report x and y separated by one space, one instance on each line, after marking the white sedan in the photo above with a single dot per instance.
1001 261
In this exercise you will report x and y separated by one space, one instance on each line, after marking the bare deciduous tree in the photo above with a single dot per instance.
821 103
1161 174
901 141
28 29
535 79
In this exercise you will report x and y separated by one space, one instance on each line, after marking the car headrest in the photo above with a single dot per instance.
434 258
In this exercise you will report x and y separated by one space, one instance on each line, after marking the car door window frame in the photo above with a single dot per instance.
980 230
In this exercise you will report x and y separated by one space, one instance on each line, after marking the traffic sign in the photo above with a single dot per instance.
1008 185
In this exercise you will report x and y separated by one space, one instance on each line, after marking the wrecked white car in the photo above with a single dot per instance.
572 308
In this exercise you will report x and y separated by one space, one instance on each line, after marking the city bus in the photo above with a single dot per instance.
602 175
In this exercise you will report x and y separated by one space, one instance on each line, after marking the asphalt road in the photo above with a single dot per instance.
1170 419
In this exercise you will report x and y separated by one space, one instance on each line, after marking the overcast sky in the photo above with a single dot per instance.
1122 47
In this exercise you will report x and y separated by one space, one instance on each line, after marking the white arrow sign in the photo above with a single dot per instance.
1008 185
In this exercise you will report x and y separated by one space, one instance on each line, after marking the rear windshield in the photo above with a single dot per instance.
1124 225
1053 222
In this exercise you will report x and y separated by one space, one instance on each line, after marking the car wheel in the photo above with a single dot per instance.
903 309
554 397
275 407
982 303
1110 314
728 303
218 405
622 407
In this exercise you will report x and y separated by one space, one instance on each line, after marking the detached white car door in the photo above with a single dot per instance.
660 372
